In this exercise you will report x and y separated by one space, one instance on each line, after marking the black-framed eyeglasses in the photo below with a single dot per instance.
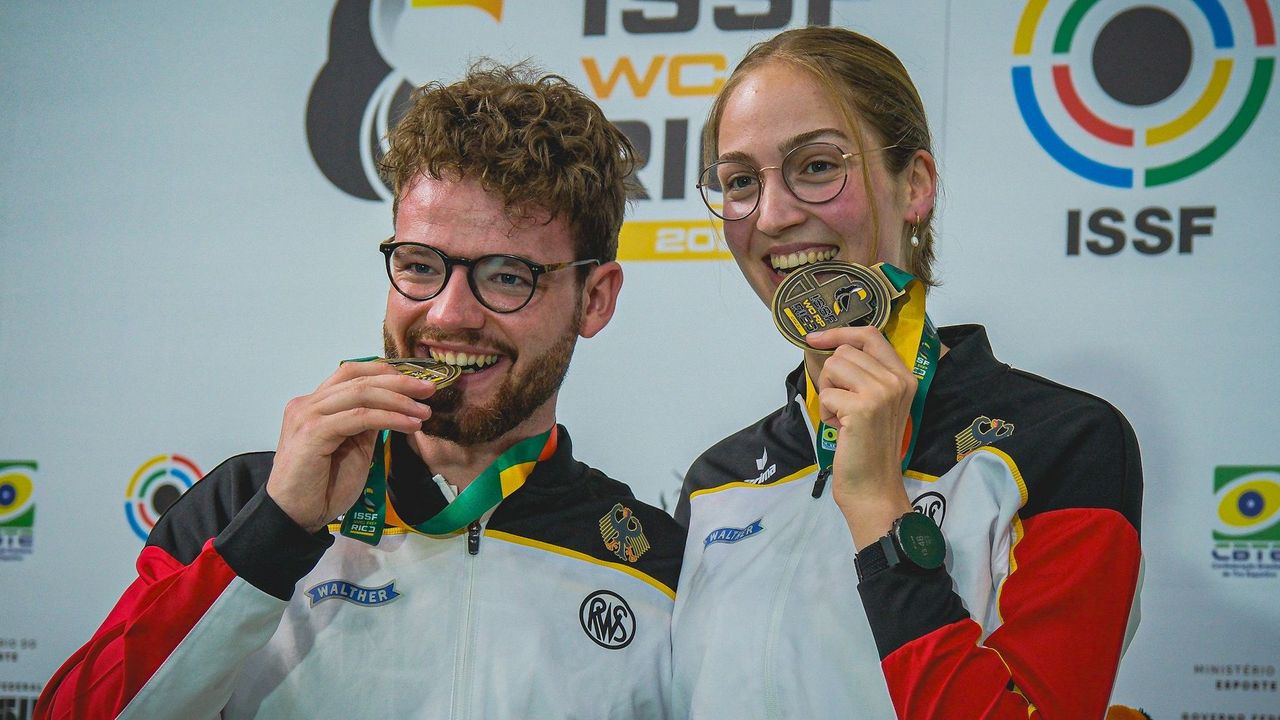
815 173
502 283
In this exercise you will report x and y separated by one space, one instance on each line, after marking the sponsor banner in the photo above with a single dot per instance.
652 69
1109 218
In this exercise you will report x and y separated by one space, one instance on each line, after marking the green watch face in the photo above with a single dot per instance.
921 541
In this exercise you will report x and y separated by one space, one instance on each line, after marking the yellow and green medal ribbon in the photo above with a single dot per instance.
915 340
367 518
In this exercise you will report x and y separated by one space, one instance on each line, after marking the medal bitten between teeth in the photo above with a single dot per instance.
438 372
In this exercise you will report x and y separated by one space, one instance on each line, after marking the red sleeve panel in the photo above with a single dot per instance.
1065 608
150 620
213 582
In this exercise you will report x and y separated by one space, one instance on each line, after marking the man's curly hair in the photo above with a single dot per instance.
536 140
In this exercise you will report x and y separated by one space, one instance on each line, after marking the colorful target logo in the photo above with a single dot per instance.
17 494
1248 503
1133 95
156 485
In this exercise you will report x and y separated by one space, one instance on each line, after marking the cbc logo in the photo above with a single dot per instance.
17 491
1248 505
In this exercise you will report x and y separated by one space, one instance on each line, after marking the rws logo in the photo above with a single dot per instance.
607 619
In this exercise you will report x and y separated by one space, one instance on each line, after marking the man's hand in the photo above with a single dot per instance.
327 438
865 392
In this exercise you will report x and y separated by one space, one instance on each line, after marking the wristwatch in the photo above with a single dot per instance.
913 541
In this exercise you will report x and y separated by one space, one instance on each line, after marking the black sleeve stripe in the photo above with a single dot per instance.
256 538
904 604
268 549
209 506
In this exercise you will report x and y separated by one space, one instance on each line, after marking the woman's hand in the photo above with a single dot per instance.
865 393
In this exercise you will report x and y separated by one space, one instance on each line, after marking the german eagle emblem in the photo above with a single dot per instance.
982 431
622 533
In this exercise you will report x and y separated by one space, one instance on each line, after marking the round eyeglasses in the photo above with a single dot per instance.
502 283
815 173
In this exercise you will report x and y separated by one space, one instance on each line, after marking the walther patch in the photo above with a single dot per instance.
731 534
352 593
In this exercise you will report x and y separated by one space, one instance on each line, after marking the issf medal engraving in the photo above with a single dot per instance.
440 373
831 294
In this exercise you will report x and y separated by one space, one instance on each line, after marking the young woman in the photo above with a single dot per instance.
989 574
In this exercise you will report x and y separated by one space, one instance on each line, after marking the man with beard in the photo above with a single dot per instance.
477 569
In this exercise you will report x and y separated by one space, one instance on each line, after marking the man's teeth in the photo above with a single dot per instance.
467 362
794 260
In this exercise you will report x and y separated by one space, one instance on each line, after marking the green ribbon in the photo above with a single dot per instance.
367 518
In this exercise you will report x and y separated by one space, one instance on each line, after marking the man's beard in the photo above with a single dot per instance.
516 399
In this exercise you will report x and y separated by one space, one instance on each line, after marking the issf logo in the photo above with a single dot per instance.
156 485
1248 504
17 508
1134 95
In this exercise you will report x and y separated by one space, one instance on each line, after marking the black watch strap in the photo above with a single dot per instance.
913 540
873 558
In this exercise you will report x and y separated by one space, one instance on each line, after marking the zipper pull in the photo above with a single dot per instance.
821 482
473 537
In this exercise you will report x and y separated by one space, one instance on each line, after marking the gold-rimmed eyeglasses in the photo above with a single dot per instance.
814 172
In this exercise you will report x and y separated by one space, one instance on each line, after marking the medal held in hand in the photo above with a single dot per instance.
367 518
832 294
442 374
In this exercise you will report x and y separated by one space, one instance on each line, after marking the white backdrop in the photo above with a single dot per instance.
176 263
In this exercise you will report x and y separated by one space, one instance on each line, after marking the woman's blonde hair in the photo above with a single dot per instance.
873 92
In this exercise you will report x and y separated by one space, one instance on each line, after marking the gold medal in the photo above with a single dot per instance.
831 294
442 374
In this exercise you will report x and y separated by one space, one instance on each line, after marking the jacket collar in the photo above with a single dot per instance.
416 497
